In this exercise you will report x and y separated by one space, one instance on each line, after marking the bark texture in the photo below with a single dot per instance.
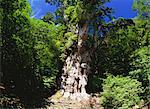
75 76
76 69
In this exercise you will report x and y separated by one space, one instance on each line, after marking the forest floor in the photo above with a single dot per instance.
63 103
69 104
56 101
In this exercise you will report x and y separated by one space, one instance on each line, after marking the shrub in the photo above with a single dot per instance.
120 92
141 69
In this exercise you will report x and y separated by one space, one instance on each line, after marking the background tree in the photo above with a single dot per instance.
30 52
140 57
128 48
15 24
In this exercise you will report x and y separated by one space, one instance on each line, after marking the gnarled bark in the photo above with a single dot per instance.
74 76
76 69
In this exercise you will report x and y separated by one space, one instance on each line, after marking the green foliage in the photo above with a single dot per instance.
113 53
140 58
121 39
18 55
49 81
141 68
49 18
120 92
143 8
15 24
32 50
47 49
73 13
70 38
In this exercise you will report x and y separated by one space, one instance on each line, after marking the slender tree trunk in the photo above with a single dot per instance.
76 69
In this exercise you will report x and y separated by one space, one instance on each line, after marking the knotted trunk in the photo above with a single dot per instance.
75 76
76 69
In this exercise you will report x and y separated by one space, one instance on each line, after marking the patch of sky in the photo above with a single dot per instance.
40 8
122 8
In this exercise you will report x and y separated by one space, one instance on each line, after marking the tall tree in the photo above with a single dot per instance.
82 19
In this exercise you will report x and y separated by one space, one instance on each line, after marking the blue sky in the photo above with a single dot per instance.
122 8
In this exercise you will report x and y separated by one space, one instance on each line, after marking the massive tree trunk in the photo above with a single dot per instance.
76 69
74 77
